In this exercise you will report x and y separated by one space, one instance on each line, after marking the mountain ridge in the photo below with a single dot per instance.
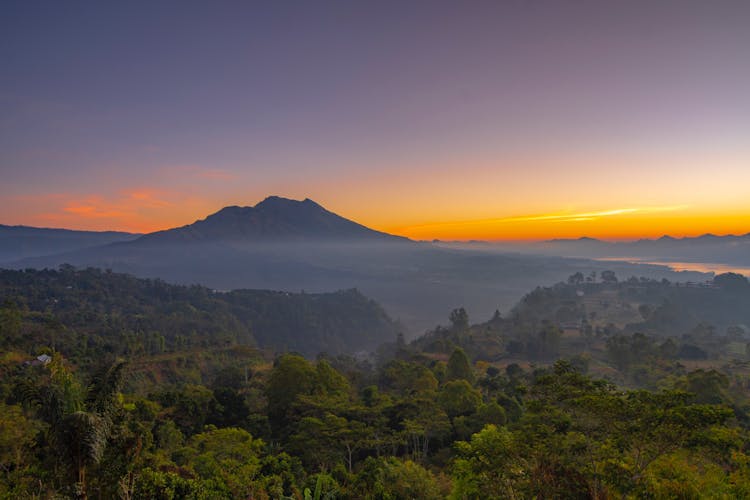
707 237
21 241
273 219
23 227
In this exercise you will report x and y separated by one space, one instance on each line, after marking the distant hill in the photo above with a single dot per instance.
95 312
274 219
582 239
729 249
574 317
289 245
18 242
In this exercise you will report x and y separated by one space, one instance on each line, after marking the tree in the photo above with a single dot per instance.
732 281
431 422
459 367
645 311
80 422
330 439
709 387
653 425
608 277
685 475
576 278
459 319
291 376
10 321
458 397
546 344
408 378
627 350
16 440
229 455
191 407
408 480
325 487
487 466
329 380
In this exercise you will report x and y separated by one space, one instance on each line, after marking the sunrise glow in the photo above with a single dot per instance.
497 122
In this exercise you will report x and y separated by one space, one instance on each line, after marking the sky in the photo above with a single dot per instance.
495 120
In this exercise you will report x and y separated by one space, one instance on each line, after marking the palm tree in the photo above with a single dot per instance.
80 422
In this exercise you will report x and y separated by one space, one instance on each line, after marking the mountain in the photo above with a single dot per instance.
582 239
728 249
17 242
289 245
275 219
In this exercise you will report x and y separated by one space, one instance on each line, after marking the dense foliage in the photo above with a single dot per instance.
624 416
635 332
405 430
89 313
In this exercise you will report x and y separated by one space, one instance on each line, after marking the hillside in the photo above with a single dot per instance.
89 313
653 324
191 410
18 242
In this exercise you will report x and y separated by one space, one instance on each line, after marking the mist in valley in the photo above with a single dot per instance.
416 282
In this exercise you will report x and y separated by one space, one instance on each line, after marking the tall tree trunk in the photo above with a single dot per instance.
81 484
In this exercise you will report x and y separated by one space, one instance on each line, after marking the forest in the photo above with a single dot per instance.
115 387
87 313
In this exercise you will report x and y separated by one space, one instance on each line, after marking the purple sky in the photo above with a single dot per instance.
139 115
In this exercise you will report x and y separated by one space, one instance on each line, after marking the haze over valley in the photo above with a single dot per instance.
283 244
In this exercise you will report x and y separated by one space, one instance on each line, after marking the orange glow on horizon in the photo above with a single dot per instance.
614 224
139 210
144 209
625 224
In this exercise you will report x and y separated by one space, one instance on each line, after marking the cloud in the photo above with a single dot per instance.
554 217
95 208
128 203
567 217
171 195
148 197
139 209
584 216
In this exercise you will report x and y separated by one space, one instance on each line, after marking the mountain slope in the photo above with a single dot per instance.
274 219
120 314
17 242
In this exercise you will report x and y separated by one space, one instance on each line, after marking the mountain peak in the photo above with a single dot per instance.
272 220
281 203
277 200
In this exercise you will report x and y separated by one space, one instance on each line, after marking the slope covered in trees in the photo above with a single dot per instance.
409 428
603 414
616 327
88 313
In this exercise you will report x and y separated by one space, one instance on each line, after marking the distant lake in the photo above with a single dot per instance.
701 267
